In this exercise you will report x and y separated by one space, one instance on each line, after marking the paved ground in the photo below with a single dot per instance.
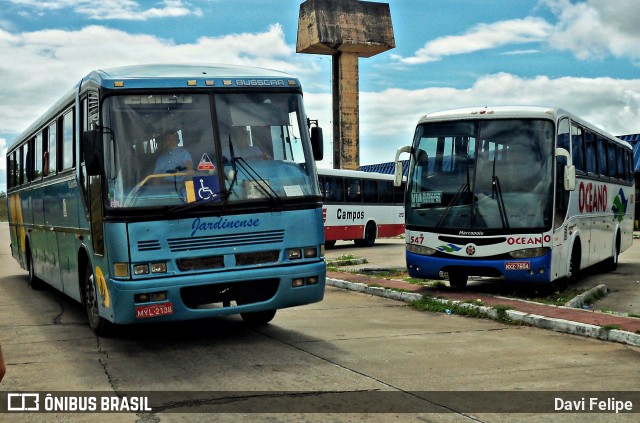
621 301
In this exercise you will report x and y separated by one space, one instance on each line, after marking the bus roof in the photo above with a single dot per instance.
177 76
167 76
177 71
483 112
493 111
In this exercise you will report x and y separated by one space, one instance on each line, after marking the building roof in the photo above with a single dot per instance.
388 168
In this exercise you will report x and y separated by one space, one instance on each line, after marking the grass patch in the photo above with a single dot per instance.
610 327
427 303
557 298
501 310
344 260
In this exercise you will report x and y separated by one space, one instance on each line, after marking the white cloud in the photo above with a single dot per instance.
39 67
112 9
597 29
482 37
388 118
590 29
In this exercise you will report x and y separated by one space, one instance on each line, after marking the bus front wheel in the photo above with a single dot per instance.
573 272
611 263
258 318
458 280
99 325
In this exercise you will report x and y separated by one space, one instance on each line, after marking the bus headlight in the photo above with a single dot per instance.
529 252
310 252
420 249
159 267
294 253
141 269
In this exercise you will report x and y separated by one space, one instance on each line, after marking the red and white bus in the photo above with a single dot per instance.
360 206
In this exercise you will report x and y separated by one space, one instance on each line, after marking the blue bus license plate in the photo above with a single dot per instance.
517 265
154 310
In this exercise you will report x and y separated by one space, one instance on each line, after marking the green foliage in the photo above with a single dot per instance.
3 207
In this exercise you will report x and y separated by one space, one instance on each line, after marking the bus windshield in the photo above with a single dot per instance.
482 176
166 149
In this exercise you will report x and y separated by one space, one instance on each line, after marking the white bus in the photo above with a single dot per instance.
530 194
360 206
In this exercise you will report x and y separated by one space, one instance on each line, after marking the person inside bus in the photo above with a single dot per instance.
248 144
174 158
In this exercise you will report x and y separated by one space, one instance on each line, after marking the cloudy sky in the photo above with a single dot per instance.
579 55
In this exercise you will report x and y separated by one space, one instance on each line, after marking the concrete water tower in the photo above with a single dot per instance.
346 30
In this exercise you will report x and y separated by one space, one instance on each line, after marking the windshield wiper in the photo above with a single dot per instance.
250 172
497 193
464 188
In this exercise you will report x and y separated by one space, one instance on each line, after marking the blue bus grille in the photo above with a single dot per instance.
148 245
217 241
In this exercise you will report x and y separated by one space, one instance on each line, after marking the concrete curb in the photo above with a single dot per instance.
579 300
543 322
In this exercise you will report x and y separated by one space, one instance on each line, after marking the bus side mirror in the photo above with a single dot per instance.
569 177
92 152
397 181
317 143
569 172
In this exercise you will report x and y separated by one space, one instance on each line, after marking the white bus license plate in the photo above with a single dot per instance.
154 310
517 265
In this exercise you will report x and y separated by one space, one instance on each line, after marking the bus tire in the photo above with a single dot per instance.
369 236
458 280
35 282
573 272
258 318
99 325
611 263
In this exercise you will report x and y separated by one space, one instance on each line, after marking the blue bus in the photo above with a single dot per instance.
172 192
527 194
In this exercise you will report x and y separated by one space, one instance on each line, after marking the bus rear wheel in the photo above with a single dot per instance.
369 236
99 325
35 282
258 318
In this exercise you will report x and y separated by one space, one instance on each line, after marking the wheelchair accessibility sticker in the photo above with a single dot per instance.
203 188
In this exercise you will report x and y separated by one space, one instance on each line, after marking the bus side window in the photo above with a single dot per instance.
602 156
354 193
611 162
620 163
577 148
52 150
590 152
335 189
370 191
385 191
68 150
